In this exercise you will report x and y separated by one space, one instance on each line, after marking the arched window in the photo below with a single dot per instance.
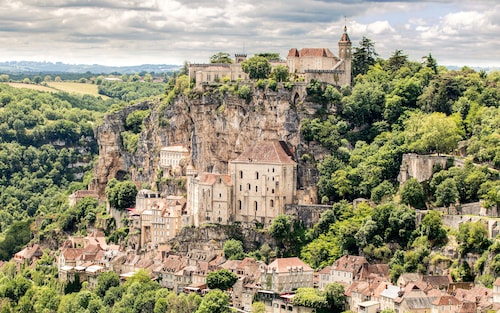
256 205
256 175
241 174
239 204
256 189
272 203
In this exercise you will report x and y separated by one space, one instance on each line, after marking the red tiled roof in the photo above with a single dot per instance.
272 152
71 253
311 52
283 265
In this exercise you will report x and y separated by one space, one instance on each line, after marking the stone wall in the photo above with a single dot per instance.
308 214
454 221
419 166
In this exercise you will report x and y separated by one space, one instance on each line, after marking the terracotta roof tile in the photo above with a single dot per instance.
283 265
270 152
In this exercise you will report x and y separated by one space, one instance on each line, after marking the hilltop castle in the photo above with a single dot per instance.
305 64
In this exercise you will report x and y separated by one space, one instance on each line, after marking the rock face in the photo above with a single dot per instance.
216 128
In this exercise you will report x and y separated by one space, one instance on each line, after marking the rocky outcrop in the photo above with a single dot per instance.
216 128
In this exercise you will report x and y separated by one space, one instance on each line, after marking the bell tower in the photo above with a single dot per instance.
345 54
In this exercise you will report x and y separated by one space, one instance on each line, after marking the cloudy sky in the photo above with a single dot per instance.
133 32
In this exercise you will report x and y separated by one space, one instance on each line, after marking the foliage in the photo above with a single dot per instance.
257 67
121 195
131 91
332 299
472 237
413 194
363 56
233 249
215 301
221 57
280 73
221 279
432 228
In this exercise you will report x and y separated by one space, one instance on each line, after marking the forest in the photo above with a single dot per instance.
394 106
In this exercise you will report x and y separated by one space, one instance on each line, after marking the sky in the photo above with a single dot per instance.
134 32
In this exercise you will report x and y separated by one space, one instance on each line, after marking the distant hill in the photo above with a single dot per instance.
59 67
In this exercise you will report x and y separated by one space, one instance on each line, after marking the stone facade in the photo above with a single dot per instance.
171 157
261 181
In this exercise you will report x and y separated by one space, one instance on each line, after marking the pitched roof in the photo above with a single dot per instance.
349 263
311 52
284 265
446 300
271 152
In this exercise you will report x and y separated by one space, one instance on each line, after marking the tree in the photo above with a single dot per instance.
446 193
121 195
215 301
233 249
431 63
436 132
105 281
472 237
363 57
221 279
413 194
280 73
432 228
221 57
257 67
396 61
335 297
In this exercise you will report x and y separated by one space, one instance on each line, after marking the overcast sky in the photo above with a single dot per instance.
133 32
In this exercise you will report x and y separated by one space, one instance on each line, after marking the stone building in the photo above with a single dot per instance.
156 219
286 275
264 180
214 199
307 63
321 64
171 157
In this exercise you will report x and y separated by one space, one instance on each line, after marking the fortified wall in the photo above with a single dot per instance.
421 167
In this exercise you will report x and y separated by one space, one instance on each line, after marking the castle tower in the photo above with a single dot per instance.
345 54
240 57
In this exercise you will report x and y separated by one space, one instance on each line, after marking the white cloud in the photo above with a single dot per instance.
161 31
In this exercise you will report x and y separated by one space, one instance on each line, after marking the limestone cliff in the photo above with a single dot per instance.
216 128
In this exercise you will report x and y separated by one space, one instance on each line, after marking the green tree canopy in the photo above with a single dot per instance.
221 57
257 67
216 301
221 279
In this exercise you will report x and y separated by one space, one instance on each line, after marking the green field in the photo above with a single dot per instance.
69 87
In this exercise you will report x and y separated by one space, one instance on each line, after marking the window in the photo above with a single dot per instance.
256 206
249 187
241 174
220 195
239 204
256 189
271 203
241 188
272 190
256 175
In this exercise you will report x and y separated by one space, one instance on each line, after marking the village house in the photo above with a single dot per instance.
28 255
286 275
350 268
214 199
155 219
